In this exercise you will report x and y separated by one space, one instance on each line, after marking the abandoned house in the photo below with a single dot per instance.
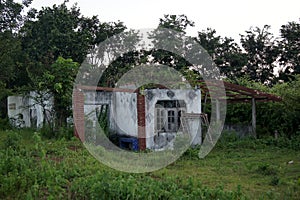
149 121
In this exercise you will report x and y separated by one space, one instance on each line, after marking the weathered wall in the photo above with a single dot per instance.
18 111
92 100
239 129
125 113
31 112
122 110
192 99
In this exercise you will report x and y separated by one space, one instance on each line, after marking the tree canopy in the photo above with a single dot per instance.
43 49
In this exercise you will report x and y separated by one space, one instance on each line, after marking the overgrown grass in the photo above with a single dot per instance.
35 168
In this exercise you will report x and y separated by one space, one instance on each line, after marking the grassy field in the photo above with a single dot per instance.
35 168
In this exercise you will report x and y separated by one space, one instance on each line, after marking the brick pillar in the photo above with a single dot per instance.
78 114
141 113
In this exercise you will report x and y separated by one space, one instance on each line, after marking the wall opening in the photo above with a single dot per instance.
168 115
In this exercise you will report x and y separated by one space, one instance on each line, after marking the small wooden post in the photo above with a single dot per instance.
276 134
254 117
217 110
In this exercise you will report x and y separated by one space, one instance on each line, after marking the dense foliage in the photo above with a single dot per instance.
281 117
32 167
33 44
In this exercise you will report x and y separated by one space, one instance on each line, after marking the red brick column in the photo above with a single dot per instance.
78 114
141 114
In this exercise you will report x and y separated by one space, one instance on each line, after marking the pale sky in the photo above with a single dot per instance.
229 17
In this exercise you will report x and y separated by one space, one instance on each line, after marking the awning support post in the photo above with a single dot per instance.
254 117
217 110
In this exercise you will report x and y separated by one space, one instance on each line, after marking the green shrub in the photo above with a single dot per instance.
12 140
228 136
47 132
283 142
191 153
66 133
274 180
4 124
266 169
114 186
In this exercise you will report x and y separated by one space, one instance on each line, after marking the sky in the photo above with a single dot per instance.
228 17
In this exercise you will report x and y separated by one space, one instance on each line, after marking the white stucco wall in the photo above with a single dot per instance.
122 110
93 100
125 113
17 106
29 109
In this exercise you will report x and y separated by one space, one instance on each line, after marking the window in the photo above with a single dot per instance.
160 120
168 115
12 106
171 120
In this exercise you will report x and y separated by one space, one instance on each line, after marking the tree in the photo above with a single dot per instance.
55 40
124 62
177 24
9 52
262 53
57 31
226 54
58 82
289 110
10 17
10 48
289 51
110 51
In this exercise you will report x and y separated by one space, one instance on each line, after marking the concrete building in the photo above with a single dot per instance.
153 118
25 111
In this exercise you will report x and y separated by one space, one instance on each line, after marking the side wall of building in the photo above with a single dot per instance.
18 111
24 111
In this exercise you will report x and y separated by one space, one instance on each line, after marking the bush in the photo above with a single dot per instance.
47 132
283 142
266 169
281 116
66 133
63 132
274 180
229 136
4 124
12 140
114 186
